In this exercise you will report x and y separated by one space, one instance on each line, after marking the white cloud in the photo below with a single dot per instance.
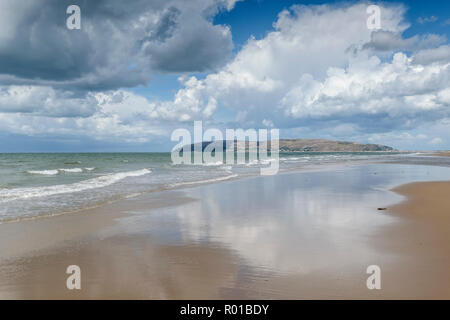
120 44
393 41
308 74
397 91
436 141
188 104
229 4
305 43
102 127
305 73
423 20
45 101
439 54
117 115
267 123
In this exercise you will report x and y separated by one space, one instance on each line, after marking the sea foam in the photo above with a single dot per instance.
51 172
99 182
44 172
73 170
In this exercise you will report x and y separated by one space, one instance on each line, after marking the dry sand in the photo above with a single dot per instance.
424 236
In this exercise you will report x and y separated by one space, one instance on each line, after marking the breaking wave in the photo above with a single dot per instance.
98 182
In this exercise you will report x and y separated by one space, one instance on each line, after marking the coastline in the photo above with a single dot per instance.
442 154
129 249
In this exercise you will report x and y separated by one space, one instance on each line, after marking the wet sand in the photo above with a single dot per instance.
291 236
443 154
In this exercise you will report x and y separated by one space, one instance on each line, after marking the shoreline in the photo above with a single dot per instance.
115 236
188 185
68 207
442 154
323 167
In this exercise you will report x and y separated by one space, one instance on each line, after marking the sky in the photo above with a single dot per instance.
135 71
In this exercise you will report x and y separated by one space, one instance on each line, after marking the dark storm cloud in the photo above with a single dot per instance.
120 44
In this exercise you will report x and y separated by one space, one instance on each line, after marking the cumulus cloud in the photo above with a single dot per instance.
101 127
56 81
320 70
305 73
120 43
306 41
427 56
376 95
393 41
114 116
45 101
128 106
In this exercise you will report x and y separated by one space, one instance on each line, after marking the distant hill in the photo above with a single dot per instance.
314 145
322 145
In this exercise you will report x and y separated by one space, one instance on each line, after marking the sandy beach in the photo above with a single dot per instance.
443 153
290 236
225 150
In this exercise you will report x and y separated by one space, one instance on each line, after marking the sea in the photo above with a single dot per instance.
35 185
